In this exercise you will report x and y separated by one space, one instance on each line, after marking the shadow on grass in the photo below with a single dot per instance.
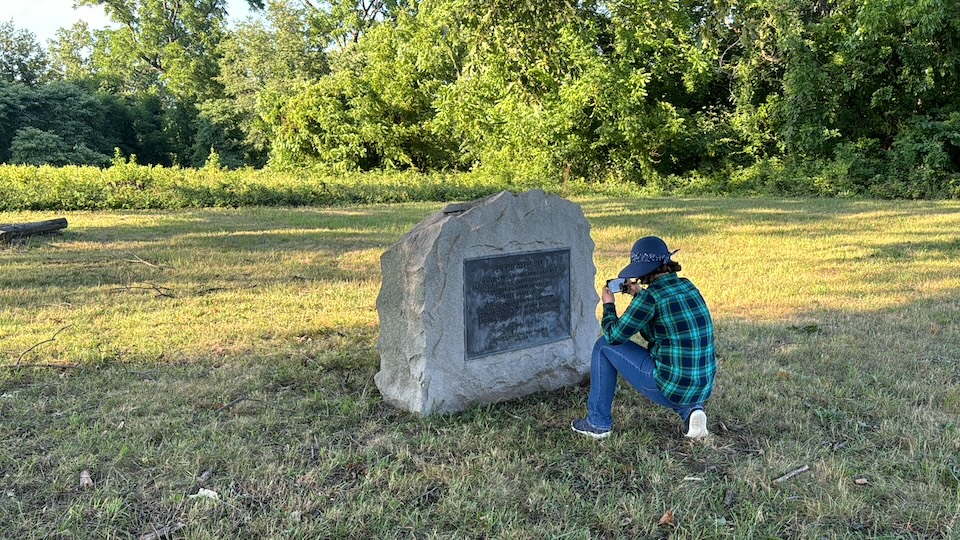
281 226
220 246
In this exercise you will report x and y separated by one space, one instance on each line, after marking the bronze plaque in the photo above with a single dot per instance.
516 301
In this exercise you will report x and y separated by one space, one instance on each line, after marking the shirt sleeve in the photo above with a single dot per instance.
617 330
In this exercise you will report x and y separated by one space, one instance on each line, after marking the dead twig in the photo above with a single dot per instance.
226 406
137 259
202 292
161 291
426 496
210 290
50 366
142 374
791 474
163 532
24 353
205 477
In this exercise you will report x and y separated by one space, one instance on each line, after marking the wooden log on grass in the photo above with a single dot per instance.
10 231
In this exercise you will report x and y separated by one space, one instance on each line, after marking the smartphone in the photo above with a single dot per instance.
616 285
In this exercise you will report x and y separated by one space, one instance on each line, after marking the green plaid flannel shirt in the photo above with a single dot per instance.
672 316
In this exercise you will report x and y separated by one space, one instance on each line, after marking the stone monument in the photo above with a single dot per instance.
487 301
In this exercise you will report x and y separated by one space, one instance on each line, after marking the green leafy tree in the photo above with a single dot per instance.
22 60
34 146
560 87
153 142
654 87
16 100
345 21
69 115
71 51
262 64
856 94
579 88
374 109
163 41
168 49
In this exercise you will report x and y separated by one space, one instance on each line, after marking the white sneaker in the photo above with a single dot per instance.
697 425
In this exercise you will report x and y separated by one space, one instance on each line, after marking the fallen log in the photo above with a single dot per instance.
10 231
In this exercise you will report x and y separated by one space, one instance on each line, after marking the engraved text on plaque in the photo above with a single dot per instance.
516 301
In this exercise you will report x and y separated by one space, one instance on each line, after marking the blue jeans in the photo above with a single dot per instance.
636 366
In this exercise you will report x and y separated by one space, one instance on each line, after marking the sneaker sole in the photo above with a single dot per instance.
698 425
591 434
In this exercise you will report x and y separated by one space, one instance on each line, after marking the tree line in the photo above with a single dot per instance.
826 96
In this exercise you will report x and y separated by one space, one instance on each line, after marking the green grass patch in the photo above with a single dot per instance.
234 350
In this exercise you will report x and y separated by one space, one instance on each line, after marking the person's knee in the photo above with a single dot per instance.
601 348
600 344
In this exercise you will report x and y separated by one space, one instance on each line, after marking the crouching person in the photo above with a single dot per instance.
677 368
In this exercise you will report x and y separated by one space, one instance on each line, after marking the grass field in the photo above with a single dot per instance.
166 353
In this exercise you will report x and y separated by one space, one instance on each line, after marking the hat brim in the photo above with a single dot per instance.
639 269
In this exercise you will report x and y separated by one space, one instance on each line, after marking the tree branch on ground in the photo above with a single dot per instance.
162 532
161 291
137 259
45 366
52 338
791 474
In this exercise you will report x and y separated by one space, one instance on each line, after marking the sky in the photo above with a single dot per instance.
44 17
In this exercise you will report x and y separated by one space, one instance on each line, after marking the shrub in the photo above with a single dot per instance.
924 161
128 185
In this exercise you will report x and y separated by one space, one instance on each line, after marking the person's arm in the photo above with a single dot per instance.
617 330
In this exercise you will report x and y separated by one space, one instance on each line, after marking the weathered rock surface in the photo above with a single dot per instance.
425 364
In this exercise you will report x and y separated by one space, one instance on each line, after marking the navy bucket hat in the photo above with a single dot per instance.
648 254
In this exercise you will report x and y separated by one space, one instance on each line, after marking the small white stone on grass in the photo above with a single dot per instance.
204 493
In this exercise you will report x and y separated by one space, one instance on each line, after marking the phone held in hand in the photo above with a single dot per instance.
617 285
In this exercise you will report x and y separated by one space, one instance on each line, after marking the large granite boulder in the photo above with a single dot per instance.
487 301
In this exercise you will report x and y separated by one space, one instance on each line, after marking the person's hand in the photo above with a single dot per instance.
633 288
607 296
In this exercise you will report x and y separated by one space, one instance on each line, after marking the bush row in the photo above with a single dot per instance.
133 186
